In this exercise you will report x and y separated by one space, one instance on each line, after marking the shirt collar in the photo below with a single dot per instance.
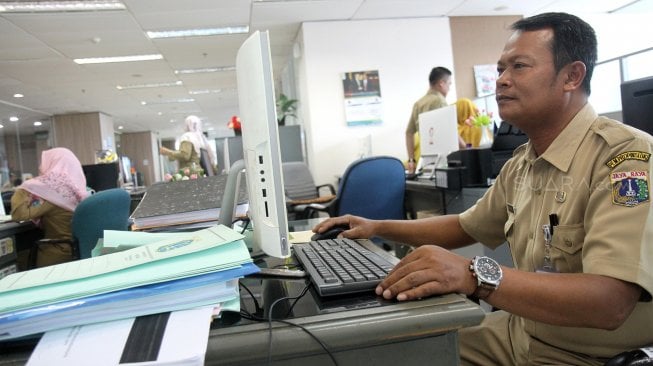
435 92
562 150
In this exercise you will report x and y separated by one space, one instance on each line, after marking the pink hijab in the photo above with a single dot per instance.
61 179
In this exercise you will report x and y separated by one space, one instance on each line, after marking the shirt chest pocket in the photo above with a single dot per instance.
567 243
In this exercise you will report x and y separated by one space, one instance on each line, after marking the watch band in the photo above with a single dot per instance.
483 291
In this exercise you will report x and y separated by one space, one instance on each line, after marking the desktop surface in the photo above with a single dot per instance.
359 329
356 329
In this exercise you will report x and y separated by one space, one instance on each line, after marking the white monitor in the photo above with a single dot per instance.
438 136
267 205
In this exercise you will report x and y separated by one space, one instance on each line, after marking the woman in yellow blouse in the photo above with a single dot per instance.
469 134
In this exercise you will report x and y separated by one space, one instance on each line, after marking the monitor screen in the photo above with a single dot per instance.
438 136
637 103
101 176
267 206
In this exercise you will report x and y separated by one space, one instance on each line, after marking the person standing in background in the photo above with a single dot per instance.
468 133
49 201
191 143
439 84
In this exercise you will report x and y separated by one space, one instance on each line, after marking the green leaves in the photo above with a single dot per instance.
285 107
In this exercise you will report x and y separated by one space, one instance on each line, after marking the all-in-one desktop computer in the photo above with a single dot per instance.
267 209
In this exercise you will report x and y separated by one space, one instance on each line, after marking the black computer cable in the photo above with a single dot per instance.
245 220
257 306
296 298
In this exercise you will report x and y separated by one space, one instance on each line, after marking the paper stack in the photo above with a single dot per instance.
180 272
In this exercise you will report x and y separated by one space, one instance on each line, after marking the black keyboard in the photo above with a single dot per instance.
344 266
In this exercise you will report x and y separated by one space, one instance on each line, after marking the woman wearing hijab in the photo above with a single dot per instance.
469 134
190 144
49 201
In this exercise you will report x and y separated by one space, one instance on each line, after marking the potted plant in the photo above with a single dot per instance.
285 107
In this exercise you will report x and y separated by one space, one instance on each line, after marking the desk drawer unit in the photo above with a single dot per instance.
7 256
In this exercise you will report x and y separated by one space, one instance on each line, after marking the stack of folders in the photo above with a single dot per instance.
192 203
179 272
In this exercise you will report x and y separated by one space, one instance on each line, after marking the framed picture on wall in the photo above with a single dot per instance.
486 78
362 94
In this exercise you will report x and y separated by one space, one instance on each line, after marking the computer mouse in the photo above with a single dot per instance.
331 233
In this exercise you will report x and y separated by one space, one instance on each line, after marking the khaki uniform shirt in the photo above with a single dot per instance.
596 177
432 100
54 220
186 155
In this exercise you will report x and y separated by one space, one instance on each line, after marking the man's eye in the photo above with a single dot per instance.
518 66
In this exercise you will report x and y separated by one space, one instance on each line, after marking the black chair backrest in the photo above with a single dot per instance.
205 163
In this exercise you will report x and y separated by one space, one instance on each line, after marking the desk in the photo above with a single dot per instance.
23 234
357 329
360 330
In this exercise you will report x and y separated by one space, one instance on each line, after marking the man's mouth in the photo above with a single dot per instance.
503 98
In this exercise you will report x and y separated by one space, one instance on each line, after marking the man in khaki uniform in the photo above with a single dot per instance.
436 97
573 204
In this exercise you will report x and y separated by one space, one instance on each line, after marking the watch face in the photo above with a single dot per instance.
488 270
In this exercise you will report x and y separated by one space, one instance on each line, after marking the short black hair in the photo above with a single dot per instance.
573 40
438 73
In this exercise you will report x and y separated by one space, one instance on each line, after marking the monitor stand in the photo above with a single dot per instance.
428 165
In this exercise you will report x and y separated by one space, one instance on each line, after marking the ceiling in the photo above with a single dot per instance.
37 52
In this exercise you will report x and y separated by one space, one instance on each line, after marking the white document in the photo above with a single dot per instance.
102 344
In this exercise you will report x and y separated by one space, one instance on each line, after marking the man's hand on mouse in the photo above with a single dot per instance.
359 228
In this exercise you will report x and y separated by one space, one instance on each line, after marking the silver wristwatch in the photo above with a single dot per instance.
488 275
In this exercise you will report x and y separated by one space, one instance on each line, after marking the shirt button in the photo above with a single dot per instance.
568 242
530 235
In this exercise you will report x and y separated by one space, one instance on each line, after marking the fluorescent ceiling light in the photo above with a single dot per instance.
104 60
238 29
205 69
18 95
37 123
180 100
205 91
13 119
60 6
150 85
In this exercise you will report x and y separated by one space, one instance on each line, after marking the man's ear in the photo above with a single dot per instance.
574 75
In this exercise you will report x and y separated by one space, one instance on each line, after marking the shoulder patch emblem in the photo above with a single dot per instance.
629 188
628 155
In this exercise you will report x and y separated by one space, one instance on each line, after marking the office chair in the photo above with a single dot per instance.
373 188
104 210
301 191
205 163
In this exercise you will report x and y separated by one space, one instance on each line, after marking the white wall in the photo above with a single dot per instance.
620 34
403 50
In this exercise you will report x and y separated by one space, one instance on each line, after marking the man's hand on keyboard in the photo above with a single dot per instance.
428 270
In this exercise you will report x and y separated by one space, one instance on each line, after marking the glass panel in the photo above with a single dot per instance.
22 140
606 87
638 66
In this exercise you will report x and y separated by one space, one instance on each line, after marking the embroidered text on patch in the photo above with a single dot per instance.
628 155
629 188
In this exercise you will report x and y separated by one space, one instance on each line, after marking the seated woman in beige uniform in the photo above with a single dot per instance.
49 201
